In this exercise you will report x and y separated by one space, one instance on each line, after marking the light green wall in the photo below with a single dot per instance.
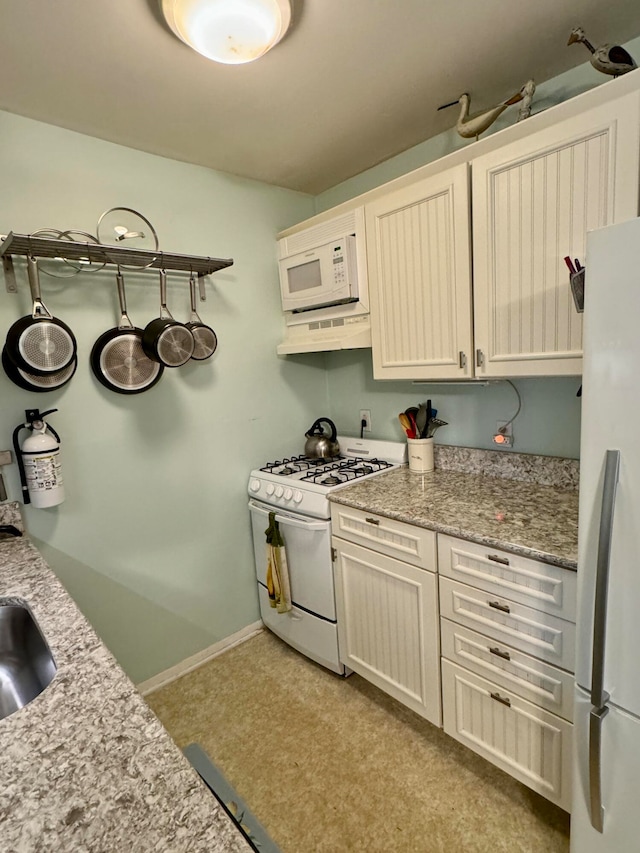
573 82
154 540
549 422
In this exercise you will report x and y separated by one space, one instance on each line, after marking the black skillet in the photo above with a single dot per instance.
39 343
35 382
118 360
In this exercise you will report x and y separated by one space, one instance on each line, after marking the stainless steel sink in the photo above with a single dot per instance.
26 663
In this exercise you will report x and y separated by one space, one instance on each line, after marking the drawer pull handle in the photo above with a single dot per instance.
499 653
372 520
495 559
497 606
502 699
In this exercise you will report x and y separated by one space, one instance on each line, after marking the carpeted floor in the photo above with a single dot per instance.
331 764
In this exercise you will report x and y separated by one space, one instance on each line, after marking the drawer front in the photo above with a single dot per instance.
405 542
520 579
539 634
531 679
530 744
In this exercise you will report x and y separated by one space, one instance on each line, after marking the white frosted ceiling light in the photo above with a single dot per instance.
229 31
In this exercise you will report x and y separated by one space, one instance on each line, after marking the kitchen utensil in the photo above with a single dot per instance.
204 337
421 420
118 360
165 339
68 268
408 424
434 424
125 227
318 444
34 381
39 343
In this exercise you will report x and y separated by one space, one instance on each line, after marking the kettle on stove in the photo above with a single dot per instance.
318 444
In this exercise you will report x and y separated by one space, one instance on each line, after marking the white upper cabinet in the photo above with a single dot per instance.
418 250
533 203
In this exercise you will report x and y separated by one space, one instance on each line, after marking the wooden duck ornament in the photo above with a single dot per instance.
608 58
470 126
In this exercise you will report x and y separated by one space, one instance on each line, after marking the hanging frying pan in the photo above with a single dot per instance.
34 382
117 358
165 339
40 344
205 338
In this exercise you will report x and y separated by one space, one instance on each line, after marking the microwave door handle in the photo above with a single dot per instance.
290 521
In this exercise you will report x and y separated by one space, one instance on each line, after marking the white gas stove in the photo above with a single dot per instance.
300 484
296 491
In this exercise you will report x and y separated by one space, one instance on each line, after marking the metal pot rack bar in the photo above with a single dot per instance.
49 247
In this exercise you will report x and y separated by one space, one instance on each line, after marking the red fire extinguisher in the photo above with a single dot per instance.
39 461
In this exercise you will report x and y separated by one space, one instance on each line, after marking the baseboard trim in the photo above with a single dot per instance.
200 658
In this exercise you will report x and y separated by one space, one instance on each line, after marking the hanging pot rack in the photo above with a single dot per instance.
48 247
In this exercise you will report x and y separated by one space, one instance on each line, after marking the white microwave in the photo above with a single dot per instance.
325 275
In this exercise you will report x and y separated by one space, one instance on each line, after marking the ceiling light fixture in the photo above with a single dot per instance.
229 31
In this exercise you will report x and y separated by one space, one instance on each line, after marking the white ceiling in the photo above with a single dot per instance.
353 83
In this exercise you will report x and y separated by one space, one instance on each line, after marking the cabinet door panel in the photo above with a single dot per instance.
533 203
388 625
530 744
418 252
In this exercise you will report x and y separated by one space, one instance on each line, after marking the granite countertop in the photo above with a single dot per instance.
86 766
521 517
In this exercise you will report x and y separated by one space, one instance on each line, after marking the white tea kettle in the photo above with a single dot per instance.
318 444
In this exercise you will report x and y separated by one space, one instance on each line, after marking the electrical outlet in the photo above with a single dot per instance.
504 434
365 415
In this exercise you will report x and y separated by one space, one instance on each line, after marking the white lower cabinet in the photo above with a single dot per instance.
388 627
527 742
504 684
508 655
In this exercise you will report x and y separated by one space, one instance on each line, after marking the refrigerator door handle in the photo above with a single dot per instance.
599 697
596 716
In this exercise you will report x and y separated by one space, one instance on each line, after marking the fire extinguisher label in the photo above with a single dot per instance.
43 472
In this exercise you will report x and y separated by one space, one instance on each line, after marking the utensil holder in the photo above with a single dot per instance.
420 453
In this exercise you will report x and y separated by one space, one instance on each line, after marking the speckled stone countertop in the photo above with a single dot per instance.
524 518
86 766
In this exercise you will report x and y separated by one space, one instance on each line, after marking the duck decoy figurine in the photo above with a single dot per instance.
470 126
608 58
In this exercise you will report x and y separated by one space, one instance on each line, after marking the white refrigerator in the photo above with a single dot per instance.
606 779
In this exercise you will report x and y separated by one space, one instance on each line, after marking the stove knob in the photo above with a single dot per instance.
254 485
297 496
279 491
270 489
288 494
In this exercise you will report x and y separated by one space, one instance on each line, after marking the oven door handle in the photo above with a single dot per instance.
290 521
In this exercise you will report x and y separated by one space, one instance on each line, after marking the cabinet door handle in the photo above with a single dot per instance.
502 699
499 653
372 520
497 606
479 358
462 359
495 559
